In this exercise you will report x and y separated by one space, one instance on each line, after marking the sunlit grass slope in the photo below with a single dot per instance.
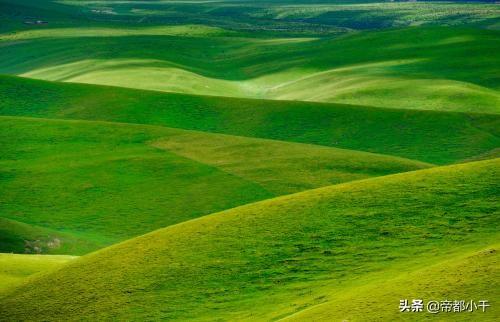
432 68
469 276
361 85
280 166
429 136
68 187
103 183
273 258
16 268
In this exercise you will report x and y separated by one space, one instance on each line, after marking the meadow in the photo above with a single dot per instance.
207 61
282 160
208 52
112 182
16 268
270 259
436 137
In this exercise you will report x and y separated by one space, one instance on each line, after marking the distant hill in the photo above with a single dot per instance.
277 17
429 68
429 136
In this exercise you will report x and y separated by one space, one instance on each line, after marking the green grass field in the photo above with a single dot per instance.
213 54
428 136
441 281
93 184
233 160
292 17
283 167
16 269
274 258
23 238
393 74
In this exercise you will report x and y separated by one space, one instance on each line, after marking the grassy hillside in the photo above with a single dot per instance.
434 137
292 17
282 167
441 282
235 160
16 268
22 238
388 68
73 186
492 154
102 183
274 258
14 13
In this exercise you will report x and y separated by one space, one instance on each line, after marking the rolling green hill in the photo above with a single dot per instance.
16 268
69 187
468 275
428 136
274 258
102 183
282 167
234 160
292 17
385 68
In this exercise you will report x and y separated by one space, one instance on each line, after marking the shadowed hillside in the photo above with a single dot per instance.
69 187
434 137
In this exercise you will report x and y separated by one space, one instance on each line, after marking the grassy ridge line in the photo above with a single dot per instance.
355 85
390 68
103 182
272 258
282 167
470 276
429 136
492 154
72 186
15 269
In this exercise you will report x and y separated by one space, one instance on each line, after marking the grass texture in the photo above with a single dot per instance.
429 136
69 187
385 68
275 258
15 269
445 61
248 161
